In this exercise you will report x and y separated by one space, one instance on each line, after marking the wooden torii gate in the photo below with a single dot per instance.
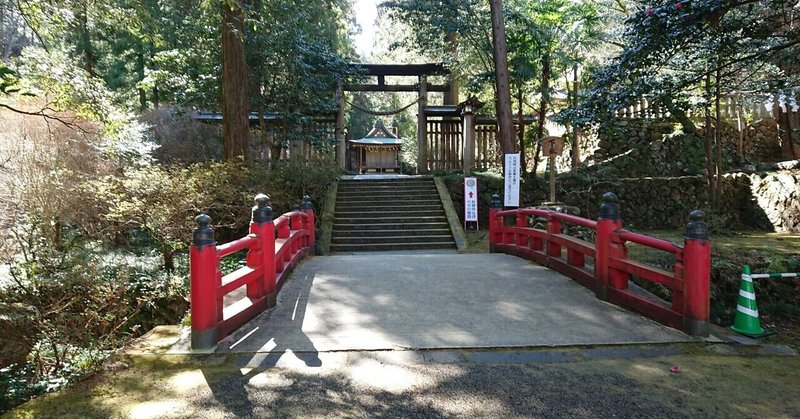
421 71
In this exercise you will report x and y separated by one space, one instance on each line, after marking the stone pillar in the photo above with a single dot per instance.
422 126
468 129
340 140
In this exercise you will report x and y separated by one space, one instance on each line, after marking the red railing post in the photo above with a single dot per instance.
284 230
310 223
204 283
522 222
495 226
617 278
296 221
553 227
264 228
607 222
696 276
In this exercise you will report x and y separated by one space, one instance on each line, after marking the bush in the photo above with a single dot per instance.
88 232
181 138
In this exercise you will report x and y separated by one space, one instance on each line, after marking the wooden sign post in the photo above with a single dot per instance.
552 147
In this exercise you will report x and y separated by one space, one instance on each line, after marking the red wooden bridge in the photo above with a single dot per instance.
276 246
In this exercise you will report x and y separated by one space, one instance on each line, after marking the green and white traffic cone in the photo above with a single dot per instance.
746 321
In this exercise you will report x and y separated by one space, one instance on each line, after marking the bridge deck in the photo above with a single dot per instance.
385 301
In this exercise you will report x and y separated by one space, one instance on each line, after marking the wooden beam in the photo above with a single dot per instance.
400 69
393 88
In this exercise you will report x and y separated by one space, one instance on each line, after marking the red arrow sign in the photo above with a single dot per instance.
470 194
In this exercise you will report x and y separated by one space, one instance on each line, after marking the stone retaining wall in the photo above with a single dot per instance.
760 201
635 148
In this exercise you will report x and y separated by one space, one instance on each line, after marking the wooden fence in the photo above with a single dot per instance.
445 145
731 107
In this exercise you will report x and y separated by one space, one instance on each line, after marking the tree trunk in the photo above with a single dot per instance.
140 77
788 132
234 87
86 39
521 130
545 92
168 253
156 98
576 149
504 116
717 140
708 147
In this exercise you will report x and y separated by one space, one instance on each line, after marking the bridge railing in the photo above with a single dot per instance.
609 275
273 248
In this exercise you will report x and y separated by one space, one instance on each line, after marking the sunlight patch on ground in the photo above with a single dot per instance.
186 381
158 409
648 370
513 311
270 381
389 378
468 405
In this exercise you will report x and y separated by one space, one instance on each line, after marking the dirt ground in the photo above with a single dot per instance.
709 381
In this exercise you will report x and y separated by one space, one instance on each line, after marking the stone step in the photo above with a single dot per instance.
387 198
344 206
388 193
385 181
391 220
389 214
392 239
399 232
387 187
389 226
372 213
391 246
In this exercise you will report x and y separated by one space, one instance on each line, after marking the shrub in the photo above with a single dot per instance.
180 138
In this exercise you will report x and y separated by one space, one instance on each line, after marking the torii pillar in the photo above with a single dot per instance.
468 108
339 130
422 126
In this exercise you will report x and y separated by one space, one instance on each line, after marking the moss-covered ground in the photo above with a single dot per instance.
707 384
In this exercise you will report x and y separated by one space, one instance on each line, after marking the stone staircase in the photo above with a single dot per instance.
389 214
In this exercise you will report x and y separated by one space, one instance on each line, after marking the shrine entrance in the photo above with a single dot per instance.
449 136
379 150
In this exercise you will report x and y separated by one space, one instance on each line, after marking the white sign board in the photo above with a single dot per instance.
470 199
512 181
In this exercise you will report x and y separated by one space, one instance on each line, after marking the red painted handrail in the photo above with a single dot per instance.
648 241
230 248
689 281
266 269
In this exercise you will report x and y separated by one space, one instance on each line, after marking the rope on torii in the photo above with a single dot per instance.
383 113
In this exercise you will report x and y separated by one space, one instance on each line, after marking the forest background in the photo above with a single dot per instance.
103 166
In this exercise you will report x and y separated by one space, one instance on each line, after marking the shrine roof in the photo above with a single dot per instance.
378 141
379 136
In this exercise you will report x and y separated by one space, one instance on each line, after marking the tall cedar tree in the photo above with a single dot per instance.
234 85
504 116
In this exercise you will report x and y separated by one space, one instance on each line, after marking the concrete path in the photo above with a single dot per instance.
388 300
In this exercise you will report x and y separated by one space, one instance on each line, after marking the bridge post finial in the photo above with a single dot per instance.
609 209
262 211
203 234
495 201
697 228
